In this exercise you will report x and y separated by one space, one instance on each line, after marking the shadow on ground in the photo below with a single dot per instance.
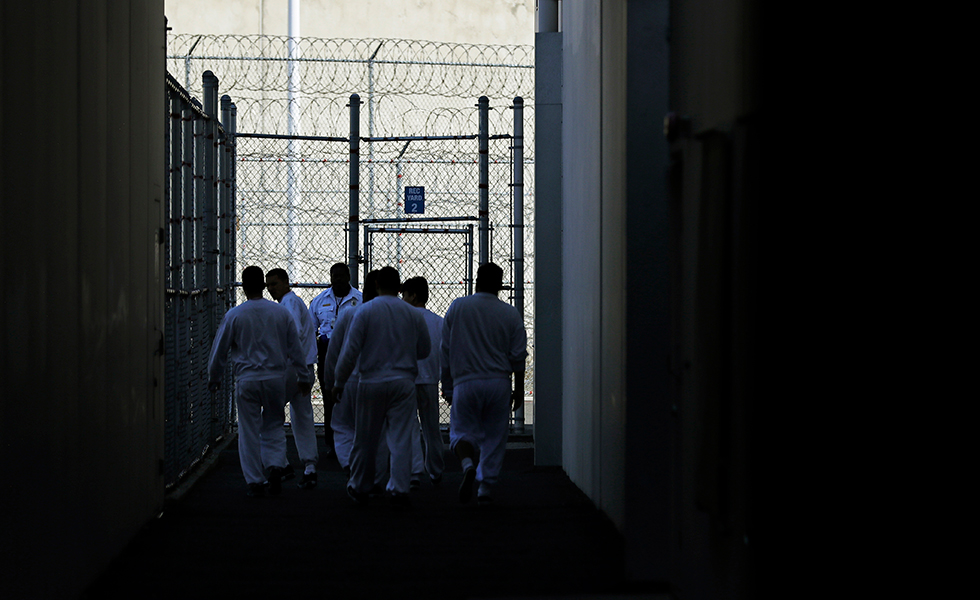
544 537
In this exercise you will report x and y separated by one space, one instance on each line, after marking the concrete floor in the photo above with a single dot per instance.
544 538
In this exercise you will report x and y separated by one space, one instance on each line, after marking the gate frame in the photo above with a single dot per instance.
369 232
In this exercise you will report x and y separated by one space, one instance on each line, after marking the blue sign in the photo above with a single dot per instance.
414 200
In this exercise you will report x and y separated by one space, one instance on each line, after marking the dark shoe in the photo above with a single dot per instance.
275 481
415 484
400 501
360 499
437 480
255 490
466 488
376 492
288 472
308 482
484 501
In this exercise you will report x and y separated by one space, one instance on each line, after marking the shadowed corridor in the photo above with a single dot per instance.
544 537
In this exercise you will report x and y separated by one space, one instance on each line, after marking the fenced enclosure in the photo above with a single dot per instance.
417 128
200 263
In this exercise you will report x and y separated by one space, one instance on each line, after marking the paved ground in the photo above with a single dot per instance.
543 538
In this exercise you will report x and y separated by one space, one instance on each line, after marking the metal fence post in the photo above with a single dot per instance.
518 234
226 228
225 248
355 174
198 321
231 129
175 254
173 266
469 261
224 197
188 228
197 164
368 251
210 247
484 208
210 182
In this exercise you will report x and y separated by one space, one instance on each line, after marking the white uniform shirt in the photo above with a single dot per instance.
304 323
327 308
386 339
483 337
430 367
262 340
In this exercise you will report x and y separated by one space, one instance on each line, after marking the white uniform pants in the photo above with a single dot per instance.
480 415
301 419
418 458
261 438
428 401
391 404
342 421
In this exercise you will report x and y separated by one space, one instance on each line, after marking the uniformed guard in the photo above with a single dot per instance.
326 309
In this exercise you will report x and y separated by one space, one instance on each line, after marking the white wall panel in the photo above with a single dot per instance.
582 249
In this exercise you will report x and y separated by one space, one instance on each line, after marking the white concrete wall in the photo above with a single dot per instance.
581 251
547 250
593 219
460 21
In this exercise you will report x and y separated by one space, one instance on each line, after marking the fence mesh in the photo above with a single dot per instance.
293 194
199 262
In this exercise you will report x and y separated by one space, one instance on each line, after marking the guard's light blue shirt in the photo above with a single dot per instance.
326 308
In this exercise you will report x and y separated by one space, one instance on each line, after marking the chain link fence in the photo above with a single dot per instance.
293 184
200 263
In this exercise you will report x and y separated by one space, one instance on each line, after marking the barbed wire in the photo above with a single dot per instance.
337 66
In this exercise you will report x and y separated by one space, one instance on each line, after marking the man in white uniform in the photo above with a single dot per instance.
483 342
326 308
300 404
262 341
342 417
415 291
386 339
